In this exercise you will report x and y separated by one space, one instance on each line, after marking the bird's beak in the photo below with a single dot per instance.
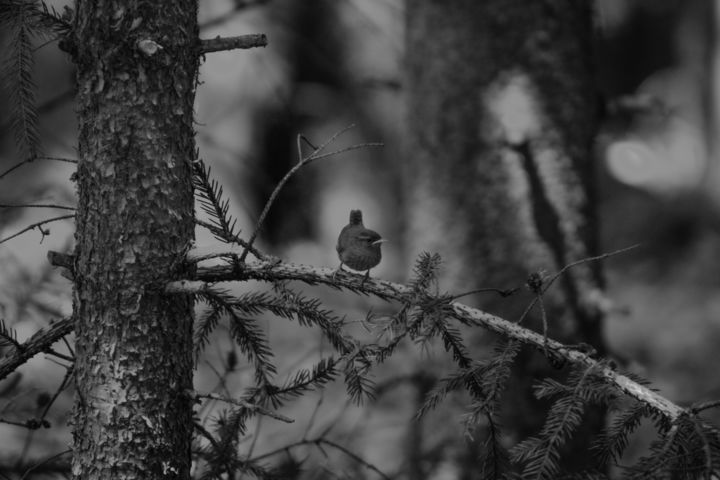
378 242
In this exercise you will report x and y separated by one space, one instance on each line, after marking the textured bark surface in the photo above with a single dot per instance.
134 221
500 125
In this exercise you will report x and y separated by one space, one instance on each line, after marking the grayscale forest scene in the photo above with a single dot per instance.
359 239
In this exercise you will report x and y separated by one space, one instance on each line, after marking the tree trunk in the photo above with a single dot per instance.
500 126
134 222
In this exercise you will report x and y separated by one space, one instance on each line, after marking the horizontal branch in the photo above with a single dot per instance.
38 343
219 44
274 271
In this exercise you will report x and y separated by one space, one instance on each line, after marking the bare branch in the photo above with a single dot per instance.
32 159
37 205
705 406
37 225
219 44
319 442
50 464
346 149
587 260
241 403
302 161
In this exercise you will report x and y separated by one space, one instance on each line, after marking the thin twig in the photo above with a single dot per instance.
37 225
57 159
314 414
527 309
315 155
319 442
39 205
47 460
499 291
32 159
543 316
45 43
243 404
61 356
705 406
587 260
346 149
552 279
17 165
13 423
63 385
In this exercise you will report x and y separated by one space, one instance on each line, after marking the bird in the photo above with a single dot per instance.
358 247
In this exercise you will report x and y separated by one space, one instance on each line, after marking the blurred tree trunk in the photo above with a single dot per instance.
500 125
710 98
134 221
311 48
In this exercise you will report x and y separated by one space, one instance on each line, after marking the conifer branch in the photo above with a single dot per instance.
209 194
275 271
41 341
17 68
243 329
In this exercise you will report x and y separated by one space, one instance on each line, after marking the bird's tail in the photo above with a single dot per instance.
356 217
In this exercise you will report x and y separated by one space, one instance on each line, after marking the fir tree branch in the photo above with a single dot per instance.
209 194
17 68
41 341
274 271
8 336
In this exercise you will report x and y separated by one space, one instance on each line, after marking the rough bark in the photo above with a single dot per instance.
134 222
500 123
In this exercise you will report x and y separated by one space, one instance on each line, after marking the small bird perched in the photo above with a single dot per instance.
357 246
